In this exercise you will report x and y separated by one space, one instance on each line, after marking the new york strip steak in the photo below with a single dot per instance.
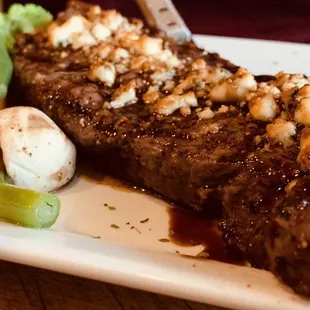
184 123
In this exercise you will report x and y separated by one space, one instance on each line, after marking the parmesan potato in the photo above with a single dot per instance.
36 153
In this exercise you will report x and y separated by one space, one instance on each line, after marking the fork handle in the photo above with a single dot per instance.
163 15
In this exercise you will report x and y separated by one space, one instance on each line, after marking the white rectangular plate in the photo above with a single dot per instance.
126 257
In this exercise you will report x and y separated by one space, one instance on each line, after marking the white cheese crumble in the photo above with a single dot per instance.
287 81
82 39
206 113
223 109
263 106
281 131
94 11
152 95
199 64
148 46
169 86
214 75
100 32
124 96
62 35
137 63
302 112
235 88
104 73
104 51
121 68
126 38
200 77
167 57
209 74
171 103
112 19
118 54
162 75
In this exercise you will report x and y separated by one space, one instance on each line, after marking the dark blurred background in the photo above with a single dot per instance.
287 20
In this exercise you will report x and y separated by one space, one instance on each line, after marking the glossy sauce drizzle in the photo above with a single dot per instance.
189 228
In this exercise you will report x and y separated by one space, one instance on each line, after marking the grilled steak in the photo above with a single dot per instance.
183 123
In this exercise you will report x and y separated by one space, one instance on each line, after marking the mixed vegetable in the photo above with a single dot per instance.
27 207
19 18
34 160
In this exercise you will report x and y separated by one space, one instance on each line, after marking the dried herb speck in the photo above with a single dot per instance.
114 226
178 252
163 240
111 208
203 254
96 237
136 229
128 223
144 221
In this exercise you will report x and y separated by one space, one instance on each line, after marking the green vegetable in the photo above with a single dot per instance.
28 208
5 31
19 19
6 69
28 17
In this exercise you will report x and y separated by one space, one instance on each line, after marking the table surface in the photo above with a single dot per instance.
28 288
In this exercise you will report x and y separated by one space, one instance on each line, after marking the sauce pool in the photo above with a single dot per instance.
188 228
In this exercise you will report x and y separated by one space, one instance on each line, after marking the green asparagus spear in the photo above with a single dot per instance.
28 208
6 68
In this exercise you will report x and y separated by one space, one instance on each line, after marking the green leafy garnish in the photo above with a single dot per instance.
5 31
6 68
19 19
28 17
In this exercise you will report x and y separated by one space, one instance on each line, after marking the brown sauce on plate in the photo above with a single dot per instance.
188 228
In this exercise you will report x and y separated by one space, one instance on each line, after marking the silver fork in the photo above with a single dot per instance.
163 15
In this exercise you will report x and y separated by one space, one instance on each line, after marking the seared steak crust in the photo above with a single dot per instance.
214 165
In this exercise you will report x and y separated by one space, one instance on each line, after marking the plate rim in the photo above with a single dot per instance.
86 262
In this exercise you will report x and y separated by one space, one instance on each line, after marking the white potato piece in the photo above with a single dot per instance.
36 153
